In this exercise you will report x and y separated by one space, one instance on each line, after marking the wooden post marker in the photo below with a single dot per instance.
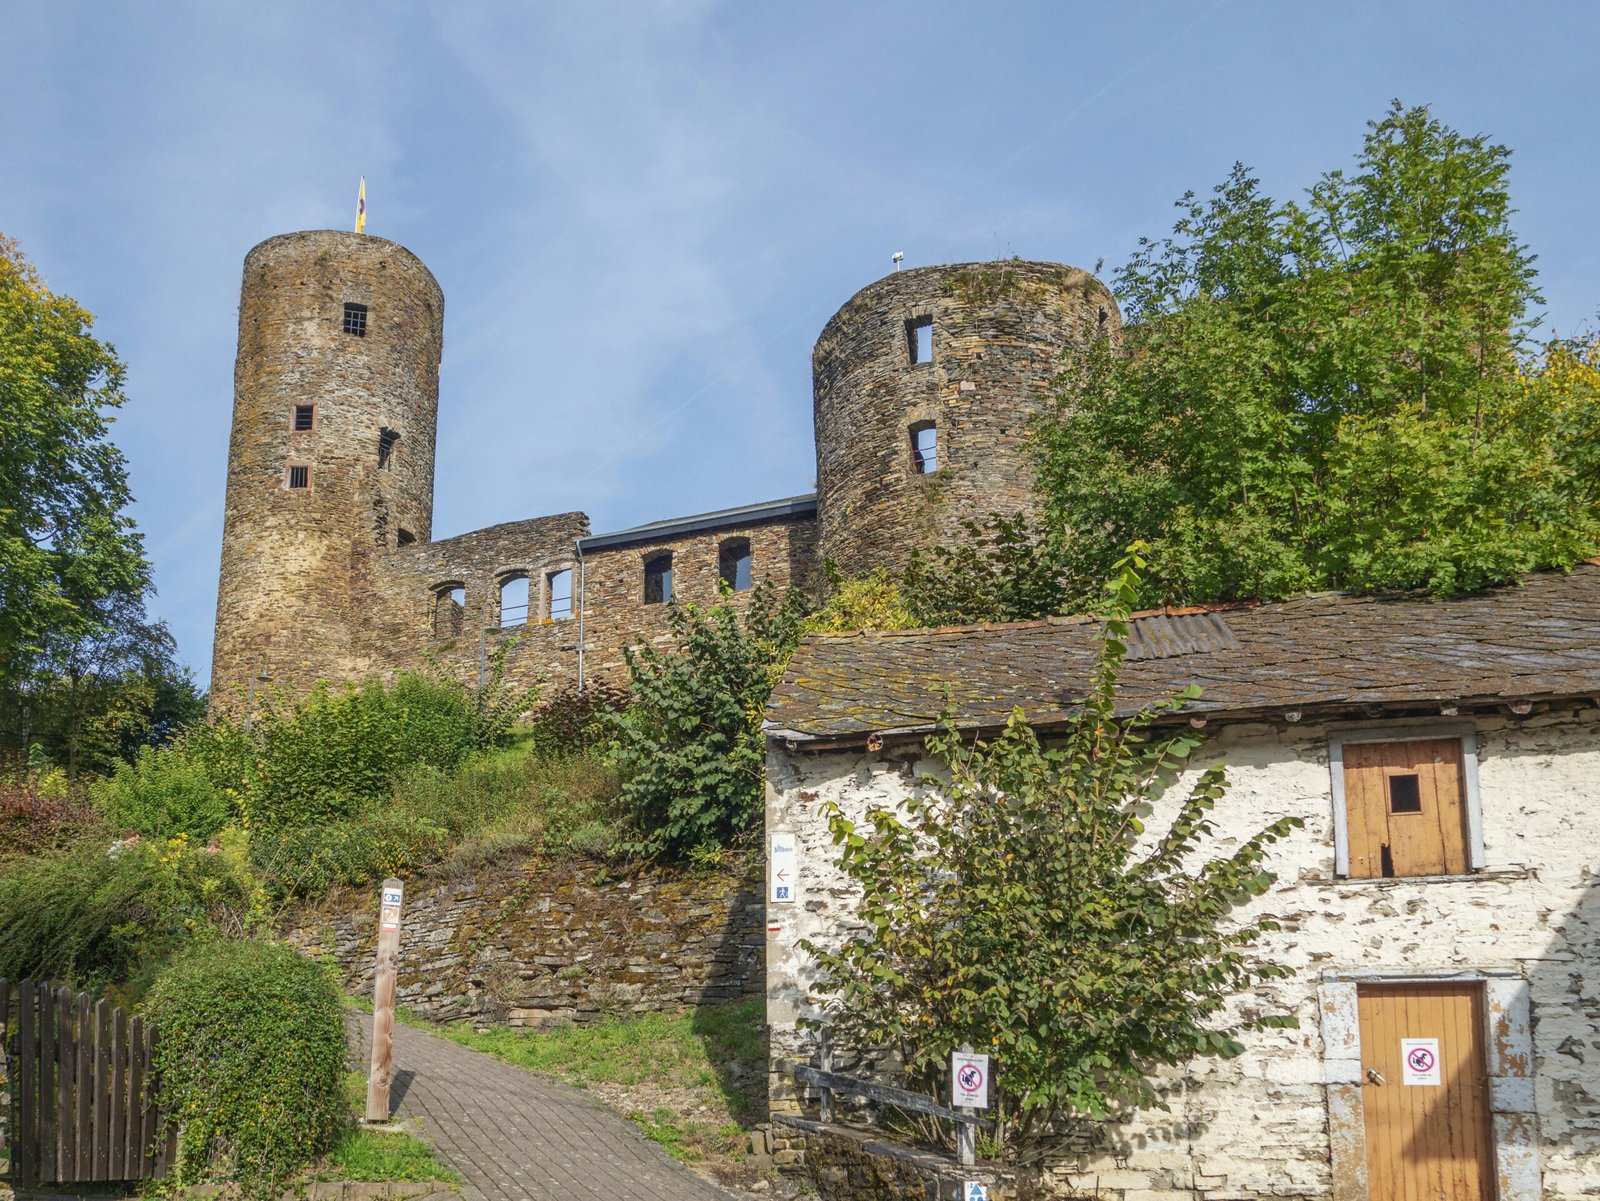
386 983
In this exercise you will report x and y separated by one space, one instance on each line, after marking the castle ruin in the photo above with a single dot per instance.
923 385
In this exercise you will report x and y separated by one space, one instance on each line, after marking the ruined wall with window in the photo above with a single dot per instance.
452 604
441 603
924 383
781 552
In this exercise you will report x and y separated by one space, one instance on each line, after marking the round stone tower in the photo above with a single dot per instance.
336 394
923 384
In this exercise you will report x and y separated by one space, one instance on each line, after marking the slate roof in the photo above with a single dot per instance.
1536 640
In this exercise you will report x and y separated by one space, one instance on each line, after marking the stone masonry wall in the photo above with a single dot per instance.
848 1164
565 942
339 581
1259 1125
403 628
998 332
294 560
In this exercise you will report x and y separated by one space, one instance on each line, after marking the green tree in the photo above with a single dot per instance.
65 543
1332 393
690 747
1003 570
1020 904
95 697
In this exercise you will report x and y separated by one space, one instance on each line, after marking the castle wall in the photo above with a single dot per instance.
782 553
998 330
295 559
408 626
411 626
339 580
540 942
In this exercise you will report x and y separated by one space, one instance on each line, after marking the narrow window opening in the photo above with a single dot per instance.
1386 857
299 476
514 600
355 319
449 610
404 537
925 448
735 564
658 580
919 340
387 438
560 586
1405 794
305 417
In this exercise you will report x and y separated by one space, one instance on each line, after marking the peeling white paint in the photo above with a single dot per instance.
1272 1121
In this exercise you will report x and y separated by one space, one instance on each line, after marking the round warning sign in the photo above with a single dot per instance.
969 1080
1421 1059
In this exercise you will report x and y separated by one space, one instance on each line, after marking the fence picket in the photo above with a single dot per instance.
147 1111
102 1077
119 1092
46 1096
84 1168
27 1082
130 1137
66 1077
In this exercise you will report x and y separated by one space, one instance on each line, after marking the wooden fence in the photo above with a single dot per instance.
81 1079
828 1082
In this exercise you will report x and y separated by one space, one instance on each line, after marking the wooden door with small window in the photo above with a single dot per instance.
1427 1120
1406 807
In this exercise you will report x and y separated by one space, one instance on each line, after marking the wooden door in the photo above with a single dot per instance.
1426 1141
1407 808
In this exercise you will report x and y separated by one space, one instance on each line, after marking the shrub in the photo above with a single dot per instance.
574 719
162 793
309 860
96 914
488 805
690 748
1021 905
251 1059
35 818
336 751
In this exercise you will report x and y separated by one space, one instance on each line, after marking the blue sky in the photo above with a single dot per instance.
642 214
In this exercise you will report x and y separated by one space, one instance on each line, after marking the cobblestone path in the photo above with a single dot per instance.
516 1136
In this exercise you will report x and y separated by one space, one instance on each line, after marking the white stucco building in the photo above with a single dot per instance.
1441 902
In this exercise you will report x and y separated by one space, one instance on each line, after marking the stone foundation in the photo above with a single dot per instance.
847 1163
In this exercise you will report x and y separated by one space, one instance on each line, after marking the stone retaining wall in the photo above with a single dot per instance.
849 1164
545 943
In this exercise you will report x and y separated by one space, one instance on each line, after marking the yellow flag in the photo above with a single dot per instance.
361 207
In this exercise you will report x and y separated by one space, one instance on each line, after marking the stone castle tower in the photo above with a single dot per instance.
336 395
923 386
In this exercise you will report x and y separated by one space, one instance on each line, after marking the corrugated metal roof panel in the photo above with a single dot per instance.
1162 635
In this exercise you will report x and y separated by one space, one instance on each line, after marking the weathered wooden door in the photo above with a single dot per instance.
1407 808
1426 1093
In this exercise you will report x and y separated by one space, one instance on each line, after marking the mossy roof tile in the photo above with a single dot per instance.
1536 639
